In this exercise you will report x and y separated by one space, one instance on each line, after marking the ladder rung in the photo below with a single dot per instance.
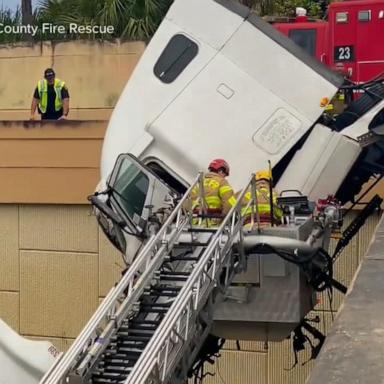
165 288
116 363
134 332
184 244
174 278
141 326
154 310
121 370
135 338
117 355
197 229
156 305
102 380
182 258
137 326
122 338
174 273
162 294
109 375
128 353
152 322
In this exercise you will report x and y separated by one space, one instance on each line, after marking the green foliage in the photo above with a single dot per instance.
7 17
288 7
132 19
283 7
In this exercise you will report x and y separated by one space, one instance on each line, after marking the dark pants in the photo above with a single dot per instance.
52 115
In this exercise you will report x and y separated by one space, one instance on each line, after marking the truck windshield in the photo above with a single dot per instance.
130 188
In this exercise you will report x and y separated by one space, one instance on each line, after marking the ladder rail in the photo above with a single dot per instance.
127 305
196 290
129 282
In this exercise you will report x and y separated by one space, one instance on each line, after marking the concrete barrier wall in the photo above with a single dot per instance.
56 266
50 162
353 351
94 72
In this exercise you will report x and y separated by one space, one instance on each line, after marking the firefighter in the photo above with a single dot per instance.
263 188
218 195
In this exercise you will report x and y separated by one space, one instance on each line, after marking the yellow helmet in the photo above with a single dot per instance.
264 174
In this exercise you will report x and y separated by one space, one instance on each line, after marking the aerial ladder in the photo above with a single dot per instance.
152 324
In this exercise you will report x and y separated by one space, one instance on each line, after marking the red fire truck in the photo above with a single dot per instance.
351 41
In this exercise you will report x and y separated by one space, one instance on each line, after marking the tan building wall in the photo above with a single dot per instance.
50 162
57 265
94 72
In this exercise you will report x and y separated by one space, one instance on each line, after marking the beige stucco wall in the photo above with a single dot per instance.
94 72
56 265
50 162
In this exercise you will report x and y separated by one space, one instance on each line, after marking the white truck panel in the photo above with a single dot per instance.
325 156
188 15
275 69
247 127
145 97
21 360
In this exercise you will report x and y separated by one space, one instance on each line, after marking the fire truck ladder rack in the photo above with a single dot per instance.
151 325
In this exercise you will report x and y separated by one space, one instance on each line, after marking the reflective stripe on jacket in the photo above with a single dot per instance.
264 205
42 87
218 195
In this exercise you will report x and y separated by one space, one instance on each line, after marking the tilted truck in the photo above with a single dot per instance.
217 82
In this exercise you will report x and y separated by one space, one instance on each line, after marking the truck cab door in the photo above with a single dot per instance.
137 194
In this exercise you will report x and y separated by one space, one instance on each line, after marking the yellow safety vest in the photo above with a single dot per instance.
264 206
218 195
42 87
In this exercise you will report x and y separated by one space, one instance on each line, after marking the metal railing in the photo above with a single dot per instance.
158 357
121 299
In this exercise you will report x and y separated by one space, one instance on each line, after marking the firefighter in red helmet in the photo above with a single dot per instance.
218 194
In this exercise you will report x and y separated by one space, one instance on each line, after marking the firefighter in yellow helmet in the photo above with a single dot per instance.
263 180
218 195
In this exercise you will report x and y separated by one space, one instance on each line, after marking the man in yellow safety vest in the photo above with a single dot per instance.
51 97
263 194
218 195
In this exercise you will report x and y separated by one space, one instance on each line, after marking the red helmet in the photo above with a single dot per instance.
217 164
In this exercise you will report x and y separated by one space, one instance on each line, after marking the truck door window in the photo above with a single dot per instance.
166 176
130 188
305 38
364 15
378 120
178 53
342 17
